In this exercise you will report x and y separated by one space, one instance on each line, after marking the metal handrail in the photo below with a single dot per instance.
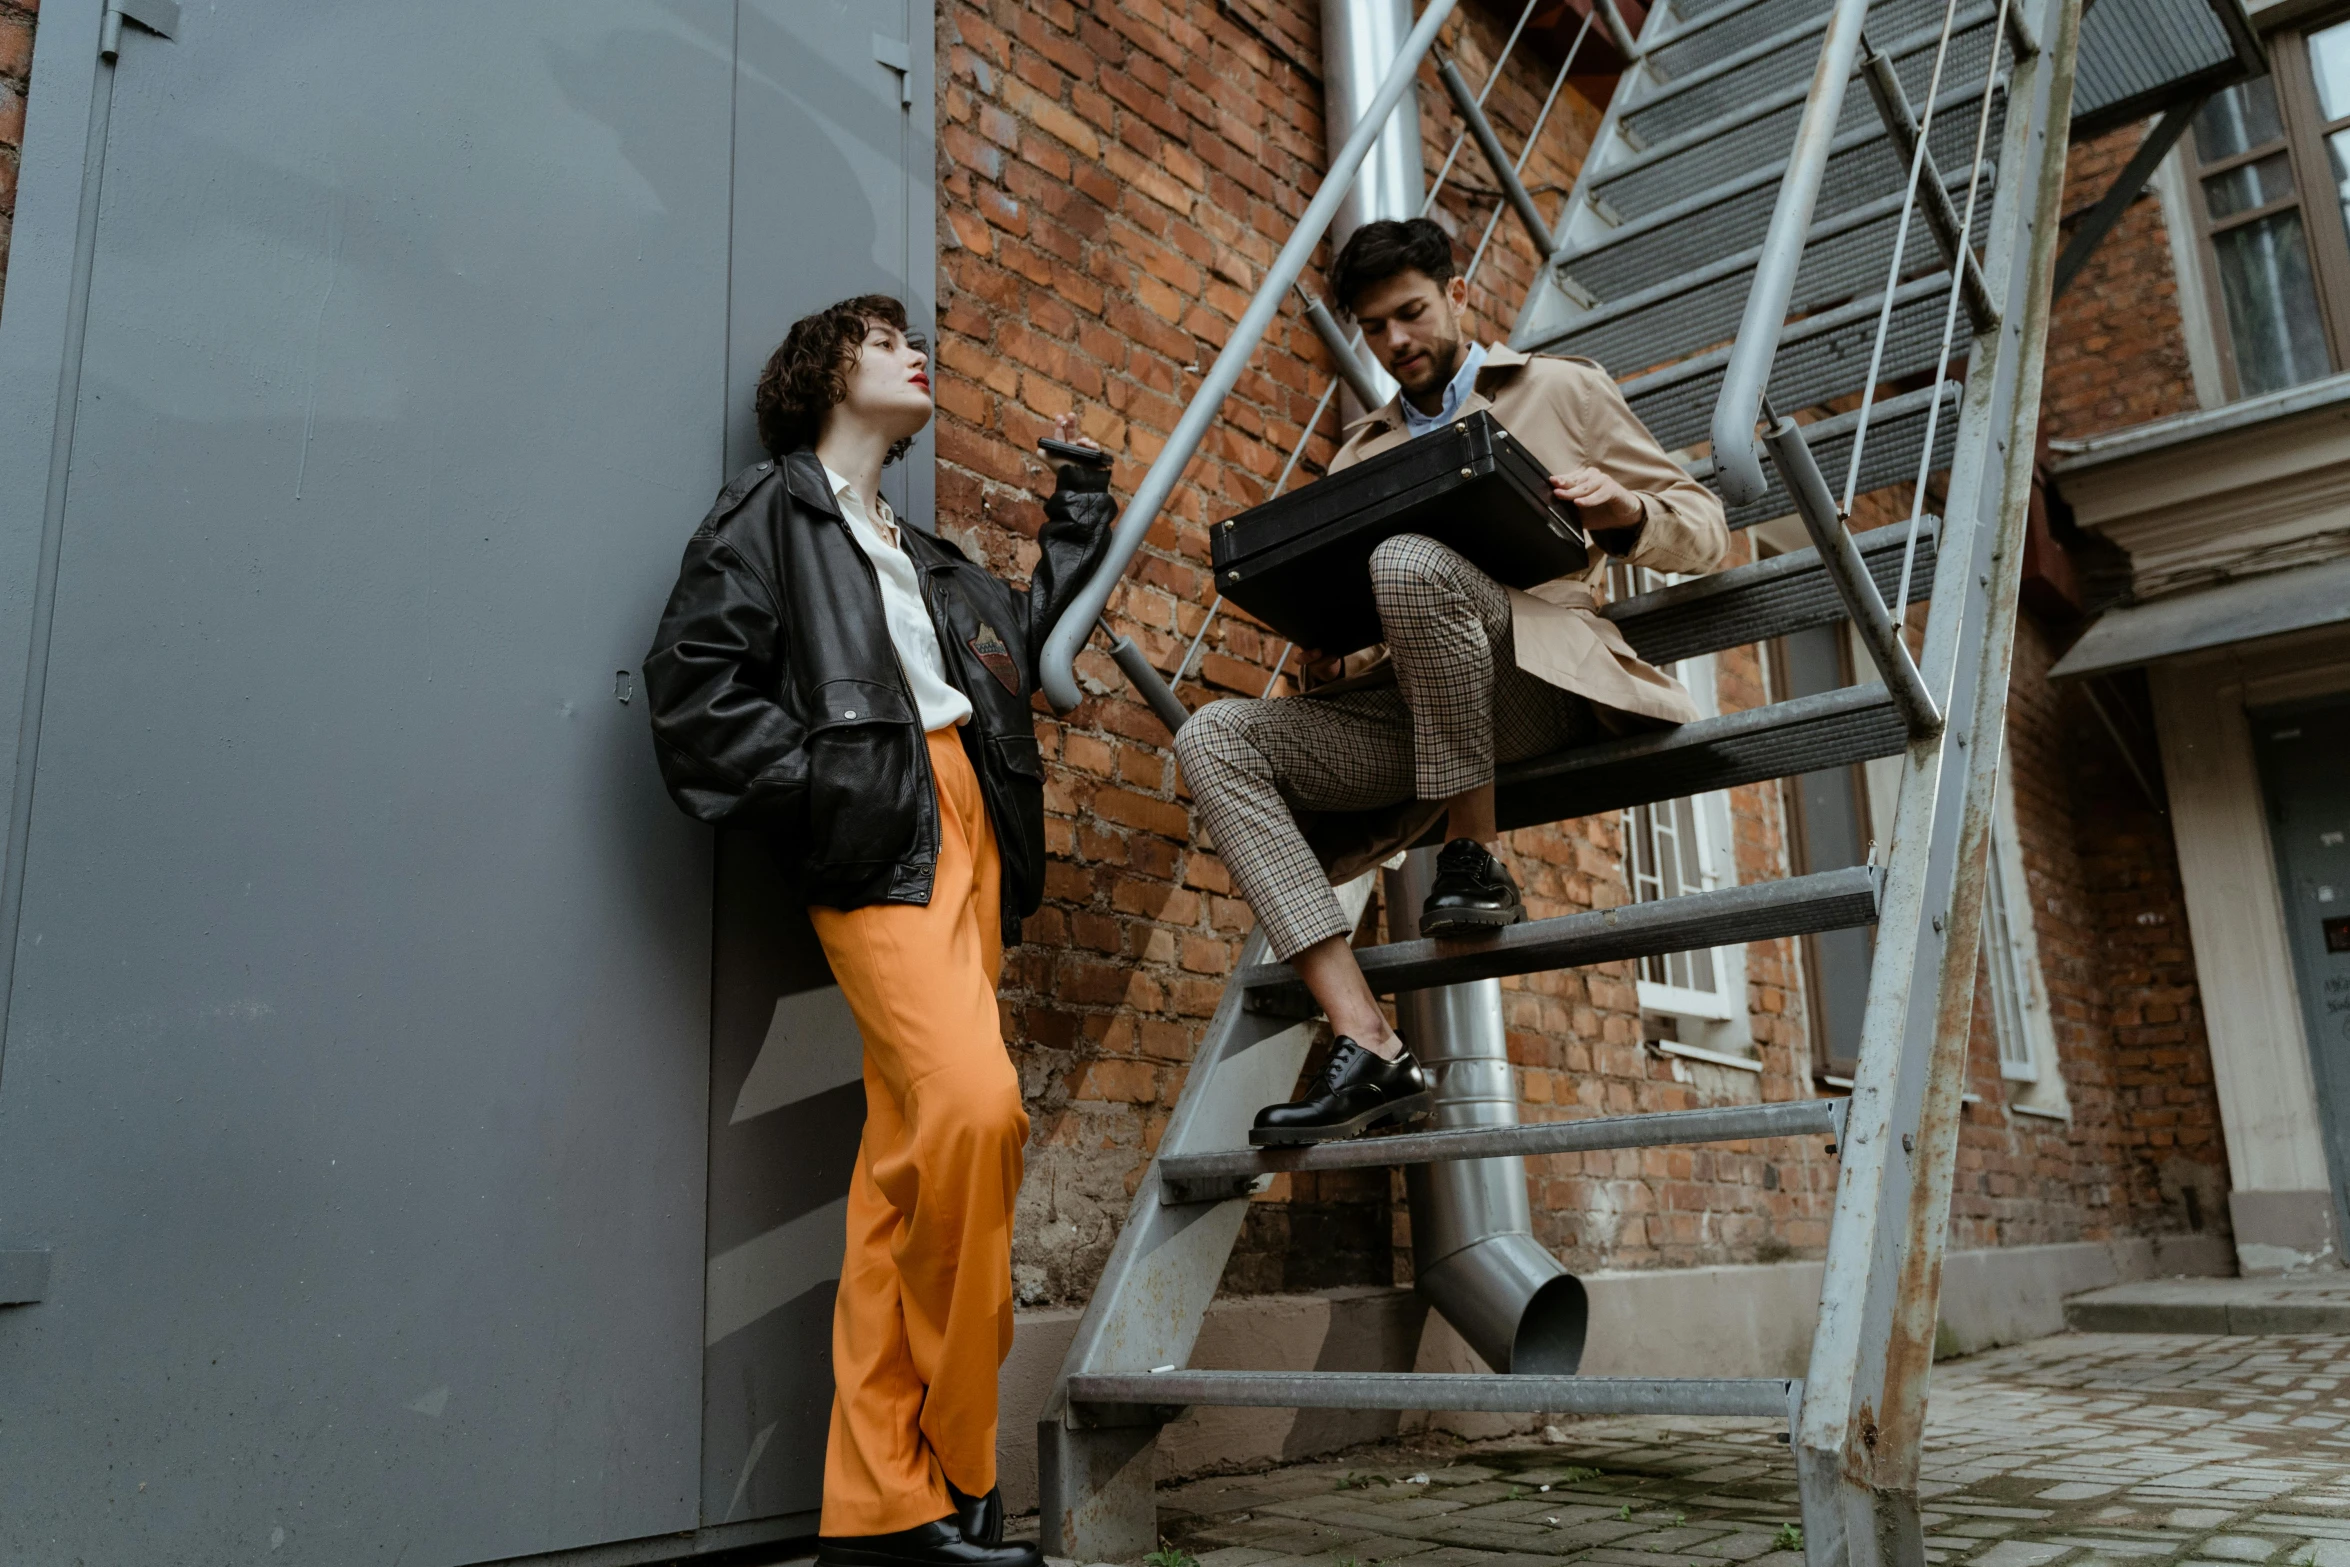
1738 470
1069 633
1326 327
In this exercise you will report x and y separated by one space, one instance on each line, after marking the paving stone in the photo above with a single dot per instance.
1741 1546
2124 1449
2020 1553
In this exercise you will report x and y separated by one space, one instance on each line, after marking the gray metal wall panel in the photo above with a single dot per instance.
357 1061
833 197
33 325
824 206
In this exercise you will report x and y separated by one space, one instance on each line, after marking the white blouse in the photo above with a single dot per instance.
910 630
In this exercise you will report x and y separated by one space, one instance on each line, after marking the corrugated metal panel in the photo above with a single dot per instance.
2140 56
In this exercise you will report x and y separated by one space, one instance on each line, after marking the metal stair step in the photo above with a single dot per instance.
1769 598
1758 911
1853 724
1772 1396
1222 1175
1842 256
1698 10
1693 42
1727 166
1727 162
1766 66
1821 357
1897 428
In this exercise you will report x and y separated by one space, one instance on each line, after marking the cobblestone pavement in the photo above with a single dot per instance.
2082 1449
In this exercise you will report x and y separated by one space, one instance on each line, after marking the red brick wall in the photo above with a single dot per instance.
1115 181
2117 352
2144 1152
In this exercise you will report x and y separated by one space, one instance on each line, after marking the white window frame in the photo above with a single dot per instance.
1715 1022
2024 1028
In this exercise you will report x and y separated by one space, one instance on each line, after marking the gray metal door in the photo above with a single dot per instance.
358 1064
832 198
2304 753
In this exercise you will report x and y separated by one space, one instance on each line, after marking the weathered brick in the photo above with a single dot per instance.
1129 809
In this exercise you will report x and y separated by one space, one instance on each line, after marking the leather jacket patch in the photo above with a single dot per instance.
996 654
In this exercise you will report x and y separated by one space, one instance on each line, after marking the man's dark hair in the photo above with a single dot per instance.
1378 251
808 374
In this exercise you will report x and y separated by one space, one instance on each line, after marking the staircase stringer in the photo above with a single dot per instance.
1146 1310
1859 1435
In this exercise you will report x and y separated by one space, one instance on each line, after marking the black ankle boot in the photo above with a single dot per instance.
1473 892
980 1518
938 1544
1357 1092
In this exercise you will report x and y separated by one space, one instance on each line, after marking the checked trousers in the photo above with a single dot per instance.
1459 706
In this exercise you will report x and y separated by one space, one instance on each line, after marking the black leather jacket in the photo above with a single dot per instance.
777 700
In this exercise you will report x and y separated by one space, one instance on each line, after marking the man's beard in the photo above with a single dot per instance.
1444 360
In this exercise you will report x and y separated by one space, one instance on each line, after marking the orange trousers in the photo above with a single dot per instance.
924 1315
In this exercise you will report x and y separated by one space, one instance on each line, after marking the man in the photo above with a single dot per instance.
1471 673
860 692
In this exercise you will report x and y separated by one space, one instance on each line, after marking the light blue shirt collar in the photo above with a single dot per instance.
1456 392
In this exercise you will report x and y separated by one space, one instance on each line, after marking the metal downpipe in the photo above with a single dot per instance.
1473 1247
1360 42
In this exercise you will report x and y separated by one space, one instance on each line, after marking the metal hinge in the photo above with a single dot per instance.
899 58
160 17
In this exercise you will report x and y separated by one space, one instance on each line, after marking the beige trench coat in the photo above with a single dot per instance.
1567 413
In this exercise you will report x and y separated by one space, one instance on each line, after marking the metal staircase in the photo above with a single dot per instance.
1770 262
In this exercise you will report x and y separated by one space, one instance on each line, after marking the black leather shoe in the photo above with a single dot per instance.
979 1518
1358 1091
1473 892
938 1544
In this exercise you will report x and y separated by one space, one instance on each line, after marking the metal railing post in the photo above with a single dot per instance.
1808 489
1343 358
1505 173
1058 675
1737 453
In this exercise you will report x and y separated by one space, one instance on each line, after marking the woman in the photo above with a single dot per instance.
860 691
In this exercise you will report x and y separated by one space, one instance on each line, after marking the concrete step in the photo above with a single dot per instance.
2315 1303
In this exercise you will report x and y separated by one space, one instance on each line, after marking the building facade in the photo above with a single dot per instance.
2156 1080
2195 440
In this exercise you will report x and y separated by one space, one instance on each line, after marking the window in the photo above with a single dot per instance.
1828 828
1674 848
1670 859
2020 1016
2008 990
2270 165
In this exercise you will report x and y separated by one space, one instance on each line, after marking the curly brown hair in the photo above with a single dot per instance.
808 374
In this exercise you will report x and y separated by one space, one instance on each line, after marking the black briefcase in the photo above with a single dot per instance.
1301 562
